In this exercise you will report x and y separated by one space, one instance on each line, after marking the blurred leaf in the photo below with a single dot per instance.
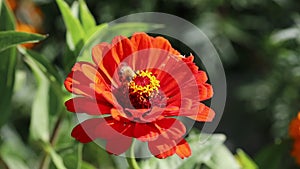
245 160
271 156
203 149
98 157
39 123
222 158
95 30
87 166
73 26
44 64
11 38
233 31
14 152
73 159
120 163
285 34
87 19
0 6
13 162
50 72
57 160
7 66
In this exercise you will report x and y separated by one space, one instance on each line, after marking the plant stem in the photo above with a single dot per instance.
131 158
79 151
46 159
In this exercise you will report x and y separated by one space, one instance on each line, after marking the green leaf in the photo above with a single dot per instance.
272 156
7 74
56 93
285 35
93 152
49 70
12 38
6 17
86 17
203 149
245 160
14 152
73 26
57 160
39 123
222 158
7 66
0 6
13 162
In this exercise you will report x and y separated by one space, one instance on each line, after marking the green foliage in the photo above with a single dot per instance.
14 151
8 39
74 28
259 45
57 160
39 123
245 161
274 156
12 38
7 66
87 19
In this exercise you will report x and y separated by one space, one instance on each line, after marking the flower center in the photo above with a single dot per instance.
142 88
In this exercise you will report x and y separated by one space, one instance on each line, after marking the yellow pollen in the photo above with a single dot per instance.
143 85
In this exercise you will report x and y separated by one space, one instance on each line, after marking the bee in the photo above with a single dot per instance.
125 73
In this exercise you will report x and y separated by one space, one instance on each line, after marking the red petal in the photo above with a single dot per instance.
92 74
82 79
157 113
205 91
86 105
201 77
165 154
189 62
204 114
162 148
145 131
168 87
115 55
119 145
162 43
123 47
91 129
141 41
99 51
76 77
85 131
171 128
111 128
183 149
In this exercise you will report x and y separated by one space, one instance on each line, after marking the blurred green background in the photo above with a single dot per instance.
259 45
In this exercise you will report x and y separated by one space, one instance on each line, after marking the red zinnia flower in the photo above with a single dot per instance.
140 86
